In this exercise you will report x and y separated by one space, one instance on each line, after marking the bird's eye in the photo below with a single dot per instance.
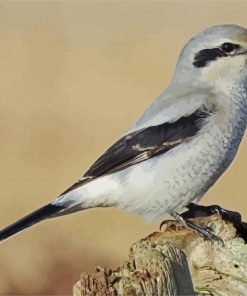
228 47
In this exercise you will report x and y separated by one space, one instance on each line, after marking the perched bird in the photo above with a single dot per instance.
179 147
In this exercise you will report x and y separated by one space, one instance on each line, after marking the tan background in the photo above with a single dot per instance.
73 77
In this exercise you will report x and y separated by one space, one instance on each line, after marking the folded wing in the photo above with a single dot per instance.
145 143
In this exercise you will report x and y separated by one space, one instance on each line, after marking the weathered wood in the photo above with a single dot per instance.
176 262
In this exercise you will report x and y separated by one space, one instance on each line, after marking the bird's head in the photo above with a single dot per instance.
213 57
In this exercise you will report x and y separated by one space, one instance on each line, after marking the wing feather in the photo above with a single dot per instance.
143 144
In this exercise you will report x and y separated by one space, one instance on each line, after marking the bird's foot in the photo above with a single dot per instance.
235 218
205 232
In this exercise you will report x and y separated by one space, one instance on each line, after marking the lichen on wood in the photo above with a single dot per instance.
176 262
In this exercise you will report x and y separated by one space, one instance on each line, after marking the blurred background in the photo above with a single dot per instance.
73 77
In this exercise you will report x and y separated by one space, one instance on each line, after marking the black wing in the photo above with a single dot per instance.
144 144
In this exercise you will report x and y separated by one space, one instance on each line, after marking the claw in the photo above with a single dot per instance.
169 223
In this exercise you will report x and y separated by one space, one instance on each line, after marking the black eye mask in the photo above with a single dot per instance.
204 56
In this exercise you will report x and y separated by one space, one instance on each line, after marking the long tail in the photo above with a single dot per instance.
43 213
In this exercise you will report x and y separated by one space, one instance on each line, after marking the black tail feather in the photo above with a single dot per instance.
29 220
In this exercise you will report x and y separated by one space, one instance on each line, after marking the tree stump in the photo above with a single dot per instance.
176 262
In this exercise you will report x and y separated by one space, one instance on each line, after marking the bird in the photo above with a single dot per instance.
178 148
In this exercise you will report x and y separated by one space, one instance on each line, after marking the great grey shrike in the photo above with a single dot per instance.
179 147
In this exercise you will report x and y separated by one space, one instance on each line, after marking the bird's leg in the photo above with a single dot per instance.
203 231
